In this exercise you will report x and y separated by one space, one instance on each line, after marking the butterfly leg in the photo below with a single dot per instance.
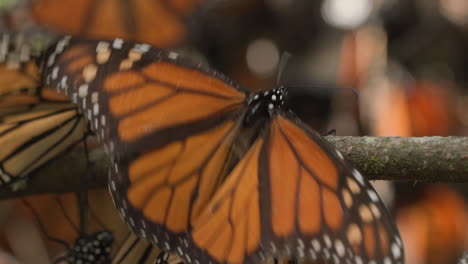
330 132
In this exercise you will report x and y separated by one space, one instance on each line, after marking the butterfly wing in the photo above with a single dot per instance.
167 123
159 22
32 138
36 123
135 250
294 196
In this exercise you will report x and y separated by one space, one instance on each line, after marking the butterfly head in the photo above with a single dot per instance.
266 102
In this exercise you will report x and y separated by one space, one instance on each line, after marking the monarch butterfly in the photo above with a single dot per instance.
181 178
159 22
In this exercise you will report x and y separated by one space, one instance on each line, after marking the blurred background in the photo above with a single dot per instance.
407 59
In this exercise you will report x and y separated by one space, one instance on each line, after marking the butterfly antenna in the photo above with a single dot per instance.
65 214
324 90
281 66
42 227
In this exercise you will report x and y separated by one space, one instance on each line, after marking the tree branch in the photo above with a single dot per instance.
426 159
422 159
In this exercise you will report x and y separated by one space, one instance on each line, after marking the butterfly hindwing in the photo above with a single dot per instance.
31 139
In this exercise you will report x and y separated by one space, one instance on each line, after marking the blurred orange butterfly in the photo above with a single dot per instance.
212 172
159 22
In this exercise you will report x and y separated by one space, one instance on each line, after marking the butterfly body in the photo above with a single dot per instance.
262 103
179 178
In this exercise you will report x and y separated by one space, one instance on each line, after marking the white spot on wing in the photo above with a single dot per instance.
374 197
358 177
96 111
117 44
396 251
339 154
55 72
300 243
102 45
63 82
316 245
339 247
327 241
173 55
51 60
94 97
358 260
83 90
142 47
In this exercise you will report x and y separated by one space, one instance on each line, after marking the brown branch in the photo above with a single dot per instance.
422 159
427 159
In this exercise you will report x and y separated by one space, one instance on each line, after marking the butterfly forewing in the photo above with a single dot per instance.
167 123
138 97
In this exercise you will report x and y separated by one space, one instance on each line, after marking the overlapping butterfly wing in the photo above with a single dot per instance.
19 76
167 123
31 139
159 22
36 123
135 250
294 196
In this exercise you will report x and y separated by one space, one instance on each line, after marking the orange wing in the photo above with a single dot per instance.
170 125
20 89
294 196
36 123
139 98
20 86
158 22
32 138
